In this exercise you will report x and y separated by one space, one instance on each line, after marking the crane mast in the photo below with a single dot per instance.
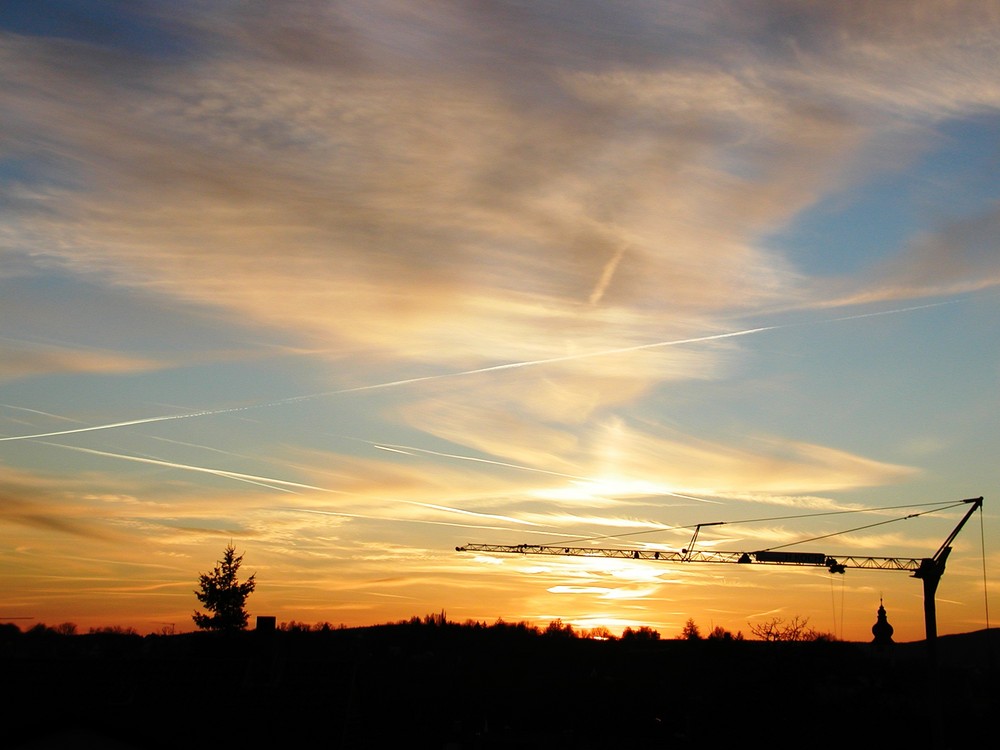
927 569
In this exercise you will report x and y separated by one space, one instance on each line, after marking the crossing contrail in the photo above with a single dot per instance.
282 485
554 360
389 384
409 450
419 520
38 411
463 373
132 422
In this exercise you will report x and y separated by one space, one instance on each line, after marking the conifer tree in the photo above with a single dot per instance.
224 596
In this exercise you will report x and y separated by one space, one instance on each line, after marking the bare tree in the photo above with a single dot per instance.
796 629
559 629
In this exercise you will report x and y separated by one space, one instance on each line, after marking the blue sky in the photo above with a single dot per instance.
350 284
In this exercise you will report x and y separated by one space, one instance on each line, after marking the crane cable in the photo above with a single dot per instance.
982 542
859 528
833 604
778 518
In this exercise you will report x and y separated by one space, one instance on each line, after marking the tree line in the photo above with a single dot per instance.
223 596
222 593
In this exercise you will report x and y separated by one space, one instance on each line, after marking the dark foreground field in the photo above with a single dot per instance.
449 686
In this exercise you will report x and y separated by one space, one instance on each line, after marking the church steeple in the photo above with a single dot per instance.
882 630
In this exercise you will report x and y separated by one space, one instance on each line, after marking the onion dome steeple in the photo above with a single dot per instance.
882 630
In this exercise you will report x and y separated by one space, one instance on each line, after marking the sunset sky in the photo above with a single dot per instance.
349 284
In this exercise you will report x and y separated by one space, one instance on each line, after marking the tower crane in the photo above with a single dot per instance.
927 569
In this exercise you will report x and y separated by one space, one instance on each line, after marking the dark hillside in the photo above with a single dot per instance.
440 685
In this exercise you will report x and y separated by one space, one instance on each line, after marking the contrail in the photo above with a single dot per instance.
606 275
132 422
409 450
390 449
417 520
270 482
885 312
390 384
549 360
463 373
38 411
471 513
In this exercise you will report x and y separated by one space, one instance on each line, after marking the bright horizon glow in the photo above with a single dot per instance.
352 284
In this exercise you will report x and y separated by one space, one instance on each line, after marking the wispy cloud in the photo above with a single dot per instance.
20 359
37 506
958 258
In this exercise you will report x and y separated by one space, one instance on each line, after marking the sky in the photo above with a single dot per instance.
350 284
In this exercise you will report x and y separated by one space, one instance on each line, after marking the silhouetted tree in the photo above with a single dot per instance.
113 630
719 633
515 627
559 629
436 619
224 596
644 633
690 631
795 629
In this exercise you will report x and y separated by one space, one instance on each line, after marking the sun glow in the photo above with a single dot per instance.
600 490
603 592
